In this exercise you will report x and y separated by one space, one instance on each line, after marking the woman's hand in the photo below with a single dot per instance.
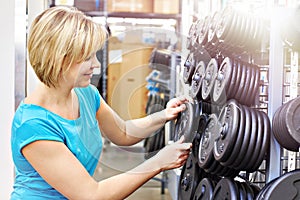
173 155
175 106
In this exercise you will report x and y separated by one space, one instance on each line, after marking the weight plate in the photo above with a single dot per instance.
250 93
236 24
189 68
222 81
229 121
205 155
252 141
249 191
291 143
247 86
209 78
239 72
285 187
239 93
233 80
256 84
189 179
191 34
241 190
212 38
204 190
186 124
226 189
292 118
259 140
224 23
243 29
249 129
194 37
281 133
265 142
242 129
202 31
230 35
196 142
197 79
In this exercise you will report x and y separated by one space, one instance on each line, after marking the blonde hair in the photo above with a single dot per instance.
59 38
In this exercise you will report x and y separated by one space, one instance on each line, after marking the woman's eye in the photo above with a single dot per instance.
89 58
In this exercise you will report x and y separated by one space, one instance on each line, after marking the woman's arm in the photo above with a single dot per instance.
60 168
130 132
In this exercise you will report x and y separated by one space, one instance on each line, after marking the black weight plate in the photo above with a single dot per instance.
204 190
255 190
241 190
256 84
233 36
280 133
186 124
239 140
222 81
194 37
212 37
243 29
260 195
197 80
249 191
230 34
291 143
285 187
248 87
239 72
202 31
188 68
191 34
225 189
239 93
233 80
224 23
253 147
212 167
250 128
292 117
188 180
250 93
205 155
209 78
259 143
196 142
229 120
265 142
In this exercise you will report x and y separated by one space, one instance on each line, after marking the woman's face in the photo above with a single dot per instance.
82 73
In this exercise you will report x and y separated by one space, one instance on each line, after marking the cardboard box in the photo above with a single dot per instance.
126 90
138 6
166 6
89 5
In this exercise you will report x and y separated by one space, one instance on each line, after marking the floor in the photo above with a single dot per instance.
115 160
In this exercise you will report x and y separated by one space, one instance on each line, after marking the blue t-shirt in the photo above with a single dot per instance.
82 136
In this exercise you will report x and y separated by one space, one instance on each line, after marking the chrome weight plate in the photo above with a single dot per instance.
222 82
197 79
209 79
188 68
229 119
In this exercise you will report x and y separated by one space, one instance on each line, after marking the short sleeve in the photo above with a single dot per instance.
37 129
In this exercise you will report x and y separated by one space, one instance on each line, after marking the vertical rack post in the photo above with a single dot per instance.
275 95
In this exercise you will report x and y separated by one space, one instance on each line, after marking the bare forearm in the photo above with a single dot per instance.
138 129
115 186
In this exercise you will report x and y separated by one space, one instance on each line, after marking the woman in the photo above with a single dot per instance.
56 132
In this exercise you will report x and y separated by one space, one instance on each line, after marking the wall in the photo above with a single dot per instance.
7 57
